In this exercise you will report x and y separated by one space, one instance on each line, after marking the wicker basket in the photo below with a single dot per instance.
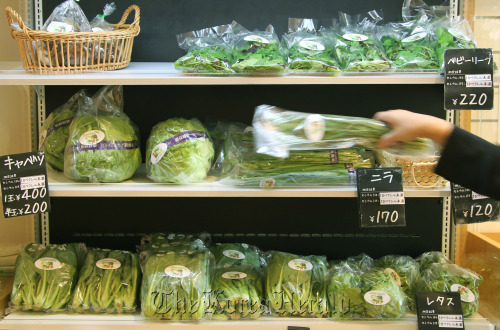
416 172
71 52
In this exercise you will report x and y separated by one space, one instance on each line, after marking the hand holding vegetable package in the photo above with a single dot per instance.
103 145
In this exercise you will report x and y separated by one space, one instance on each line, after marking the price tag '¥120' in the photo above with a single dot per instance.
381 197
470 207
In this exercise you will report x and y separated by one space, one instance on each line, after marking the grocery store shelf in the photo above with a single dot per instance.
141 186
79 321
164 73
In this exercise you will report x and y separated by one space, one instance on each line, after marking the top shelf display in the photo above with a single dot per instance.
164 73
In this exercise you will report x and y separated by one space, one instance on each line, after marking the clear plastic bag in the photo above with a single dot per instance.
108 282
235 254
428 258
103 145
99 23
67 17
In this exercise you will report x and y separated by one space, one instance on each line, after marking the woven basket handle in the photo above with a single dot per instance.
137 17
12 16
413 175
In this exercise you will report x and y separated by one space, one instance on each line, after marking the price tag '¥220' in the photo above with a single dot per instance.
470 207
381 197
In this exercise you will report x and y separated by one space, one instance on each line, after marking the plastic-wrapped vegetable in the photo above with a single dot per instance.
354 293
207 51
362 261
277 131
238 254
237 292
257 51
179 151
176 286
296 285
450 277
103 145
428 258
108 283
307 51
181 238
405 270
45 276
55 130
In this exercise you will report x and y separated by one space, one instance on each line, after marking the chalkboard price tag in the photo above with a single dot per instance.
381 197
24 184
470 207
439 310
468 79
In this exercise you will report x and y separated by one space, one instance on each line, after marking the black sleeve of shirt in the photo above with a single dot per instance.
471 162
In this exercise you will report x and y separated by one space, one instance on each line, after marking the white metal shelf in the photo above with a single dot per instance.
164 73
141 186
83 321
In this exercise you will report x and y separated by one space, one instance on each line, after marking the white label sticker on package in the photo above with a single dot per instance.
377 298
158 152
59 27
392 198
393 274
314 127
267 183
458 34
355 37
312 45
465 293
177 271
234 275
415 37
300 264
108 263
255 38
97 29
32 182
233 254
47 264
91 138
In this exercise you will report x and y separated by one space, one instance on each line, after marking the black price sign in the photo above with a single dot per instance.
24 184
439 310
381 198
470 207
468 79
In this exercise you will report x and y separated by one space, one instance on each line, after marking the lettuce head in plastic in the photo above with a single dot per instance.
179 150
103 143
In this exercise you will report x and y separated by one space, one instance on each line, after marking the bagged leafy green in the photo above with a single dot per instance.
257 51
176 286
103 142
296 285
108 282
45 276
179 151
451 277
362 261
307 51
405 270
237 292
428 258
277 131
357 49
238 254
177 242
354 293
55 131
207 51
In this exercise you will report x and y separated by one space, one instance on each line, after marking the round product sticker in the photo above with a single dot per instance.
300 264
234 275
233 254
355 37
267 183
312 45
177 271
458 34
256 39
59 27
158 152
393 274
377 298
91 138
465 294
47 264
108 263
314 127
415 37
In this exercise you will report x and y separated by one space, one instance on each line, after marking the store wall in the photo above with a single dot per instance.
15 126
